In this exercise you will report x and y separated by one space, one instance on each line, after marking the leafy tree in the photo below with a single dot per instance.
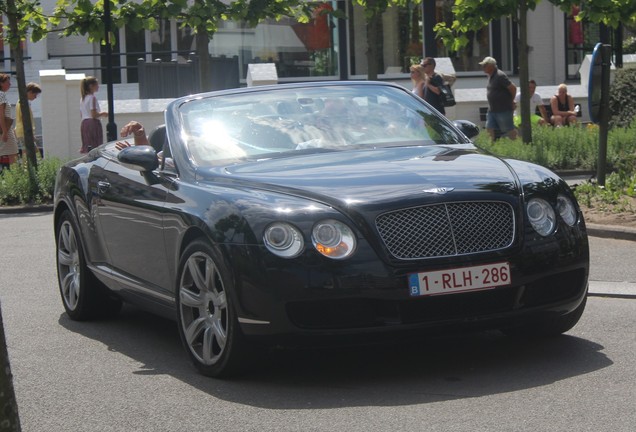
25 19
203 16
608 12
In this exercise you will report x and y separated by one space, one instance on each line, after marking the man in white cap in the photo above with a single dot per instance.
501 95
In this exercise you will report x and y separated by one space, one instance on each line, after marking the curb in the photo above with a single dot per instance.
622 290
30 208
611 231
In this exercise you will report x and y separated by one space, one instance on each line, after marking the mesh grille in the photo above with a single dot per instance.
447 229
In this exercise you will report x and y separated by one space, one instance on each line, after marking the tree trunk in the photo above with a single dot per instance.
9 419
373 24
205 83
526 125
18 56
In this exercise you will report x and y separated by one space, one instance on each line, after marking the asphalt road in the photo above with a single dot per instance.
130 374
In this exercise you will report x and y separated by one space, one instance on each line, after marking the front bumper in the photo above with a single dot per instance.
367 295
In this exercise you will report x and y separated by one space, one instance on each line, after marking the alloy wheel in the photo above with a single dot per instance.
203 309
69 265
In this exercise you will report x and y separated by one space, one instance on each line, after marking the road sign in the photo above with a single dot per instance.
594 84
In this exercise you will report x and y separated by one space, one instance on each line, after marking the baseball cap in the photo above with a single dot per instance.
488 60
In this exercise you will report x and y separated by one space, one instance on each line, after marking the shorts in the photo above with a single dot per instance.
534 120
501 121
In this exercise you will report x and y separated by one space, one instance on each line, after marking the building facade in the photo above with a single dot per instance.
330 48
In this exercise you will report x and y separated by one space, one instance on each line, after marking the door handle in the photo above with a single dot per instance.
102 186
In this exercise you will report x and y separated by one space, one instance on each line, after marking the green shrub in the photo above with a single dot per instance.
610 198
622 101
568 148
21 185
629 45
47 172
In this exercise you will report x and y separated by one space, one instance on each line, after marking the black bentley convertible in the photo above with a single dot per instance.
314 212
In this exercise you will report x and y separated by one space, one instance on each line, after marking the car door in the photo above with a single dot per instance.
130 217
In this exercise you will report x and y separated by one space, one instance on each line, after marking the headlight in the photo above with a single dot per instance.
333 239
566 209
283 239
541 216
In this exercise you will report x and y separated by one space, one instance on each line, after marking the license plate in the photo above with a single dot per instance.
459 280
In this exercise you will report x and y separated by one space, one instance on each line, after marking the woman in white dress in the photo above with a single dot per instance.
8 142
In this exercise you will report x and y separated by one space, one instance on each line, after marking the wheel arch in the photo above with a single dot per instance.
196 233
57 214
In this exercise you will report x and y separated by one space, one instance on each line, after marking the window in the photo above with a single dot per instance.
298 50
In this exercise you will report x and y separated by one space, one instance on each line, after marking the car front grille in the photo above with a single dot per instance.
447 229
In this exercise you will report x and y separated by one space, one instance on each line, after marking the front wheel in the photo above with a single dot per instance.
83 296
208 324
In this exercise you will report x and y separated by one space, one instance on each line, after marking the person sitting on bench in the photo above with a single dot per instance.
535 102
562 104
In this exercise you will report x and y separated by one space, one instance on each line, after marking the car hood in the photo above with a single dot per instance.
379 175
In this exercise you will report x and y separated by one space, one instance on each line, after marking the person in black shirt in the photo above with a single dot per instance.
563 111
432 83
501 95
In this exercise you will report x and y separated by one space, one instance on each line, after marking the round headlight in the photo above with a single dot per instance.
541 216
333 239
283 239
566 209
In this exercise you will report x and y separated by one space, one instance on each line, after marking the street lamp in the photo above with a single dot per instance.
111 127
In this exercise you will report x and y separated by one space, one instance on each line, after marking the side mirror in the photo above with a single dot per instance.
139 158
471 130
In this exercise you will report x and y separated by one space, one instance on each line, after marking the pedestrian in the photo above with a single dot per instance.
563 109
501 95
418 78
432 85
32 91
8 142
536 101
91 127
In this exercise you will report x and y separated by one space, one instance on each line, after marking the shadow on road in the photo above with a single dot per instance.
428 370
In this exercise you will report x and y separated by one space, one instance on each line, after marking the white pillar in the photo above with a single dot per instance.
60 113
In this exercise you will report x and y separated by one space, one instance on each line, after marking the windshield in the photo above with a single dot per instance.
286 121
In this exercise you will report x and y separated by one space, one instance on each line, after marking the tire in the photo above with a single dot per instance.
207 320
84 297
548 327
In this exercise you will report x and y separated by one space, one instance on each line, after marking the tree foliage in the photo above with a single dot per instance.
608 12
622 101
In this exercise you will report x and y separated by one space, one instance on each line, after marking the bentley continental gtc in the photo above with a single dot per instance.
317 211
